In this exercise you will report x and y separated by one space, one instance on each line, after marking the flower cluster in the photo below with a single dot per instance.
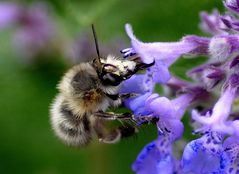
212 93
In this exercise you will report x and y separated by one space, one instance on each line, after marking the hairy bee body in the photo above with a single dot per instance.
82 94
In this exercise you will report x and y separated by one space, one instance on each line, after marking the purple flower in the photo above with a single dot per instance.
163 108
212 24
81 49
232 5
204 155
230 22
142 86
208 75
167 52
217 120
231 148
9 14
164 54
175 85
217 151
223 47
156 157
34 30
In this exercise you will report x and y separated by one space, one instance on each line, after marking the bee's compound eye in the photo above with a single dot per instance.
111 79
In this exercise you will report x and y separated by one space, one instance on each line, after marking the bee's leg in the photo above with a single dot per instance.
104 134
121 96
111 136
127 117
124 96
114 116
114 135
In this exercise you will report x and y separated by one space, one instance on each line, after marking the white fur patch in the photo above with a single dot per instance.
123 65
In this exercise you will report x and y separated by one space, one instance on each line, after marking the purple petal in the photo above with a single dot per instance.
176 83
232 5
156 157
181 103
234 62
233 81
200 43
212 23
159 50
128 52
152 160
161 107
160 73
174 128
137 104
208 75
134 85
231 147
218 118
204 155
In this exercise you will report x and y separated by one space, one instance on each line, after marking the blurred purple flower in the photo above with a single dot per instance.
176 85
82 48
9 14
212 23
34 28
230 22
232 5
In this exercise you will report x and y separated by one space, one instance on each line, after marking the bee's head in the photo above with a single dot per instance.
113 71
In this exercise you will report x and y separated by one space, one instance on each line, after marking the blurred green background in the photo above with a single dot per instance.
28 144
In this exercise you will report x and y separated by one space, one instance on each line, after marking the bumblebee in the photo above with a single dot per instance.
86 91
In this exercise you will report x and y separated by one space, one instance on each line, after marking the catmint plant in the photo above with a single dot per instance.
209 98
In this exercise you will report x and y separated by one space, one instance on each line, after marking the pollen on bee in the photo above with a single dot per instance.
92 95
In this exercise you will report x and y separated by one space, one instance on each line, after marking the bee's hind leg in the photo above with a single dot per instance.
105 135
114 116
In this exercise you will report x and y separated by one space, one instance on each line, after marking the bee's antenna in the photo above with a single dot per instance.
97 47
